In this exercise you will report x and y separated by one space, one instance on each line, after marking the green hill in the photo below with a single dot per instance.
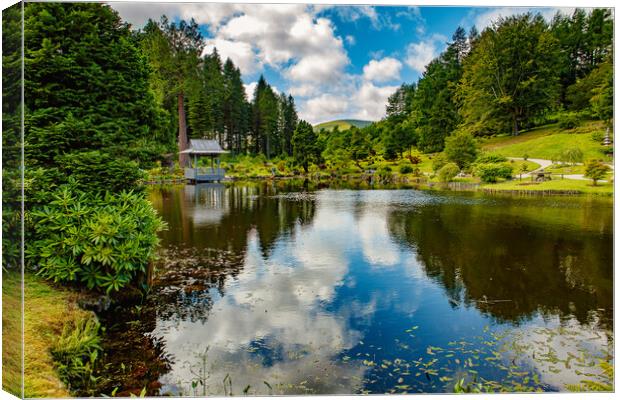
342 124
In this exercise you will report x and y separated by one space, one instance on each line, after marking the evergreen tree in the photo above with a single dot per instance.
88 102
305 145
234 108
174 50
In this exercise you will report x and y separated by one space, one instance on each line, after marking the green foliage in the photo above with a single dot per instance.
510 76
461 149
101 241
491 172
94 171
596 170
448 172
573 155
491 158
439 160
306 149
76 351
406 169
86 87
569 121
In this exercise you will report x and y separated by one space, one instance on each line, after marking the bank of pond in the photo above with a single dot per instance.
286 286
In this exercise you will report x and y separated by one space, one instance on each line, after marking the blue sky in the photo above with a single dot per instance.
337 61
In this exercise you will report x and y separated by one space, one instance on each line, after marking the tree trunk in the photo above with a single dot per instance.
182 131
515 125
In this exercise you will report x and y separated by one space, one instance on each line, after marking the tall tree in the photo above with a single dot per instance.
306 149
234 107
88 102
510 75
175 49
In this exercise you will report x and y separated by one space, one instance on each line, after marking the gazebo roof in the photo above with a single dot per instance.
204 146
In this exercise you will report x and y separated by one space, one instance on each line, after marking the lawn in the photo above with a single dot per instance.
566 169
47 310
548 142
555 184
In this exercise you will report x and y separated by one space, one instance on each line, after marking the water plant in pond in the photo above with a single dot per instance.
75 353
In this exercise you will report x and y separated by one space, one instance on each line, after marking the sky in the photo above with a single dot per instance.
337 61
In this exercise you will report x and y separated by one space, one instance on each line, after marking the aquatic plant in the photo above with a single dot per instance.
76 351
603 382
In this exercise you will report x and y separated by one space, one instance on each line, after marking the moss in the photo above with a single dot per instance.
48 309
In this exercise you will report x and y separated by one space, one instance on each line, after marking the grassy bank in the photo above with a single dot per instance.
556 185
48 310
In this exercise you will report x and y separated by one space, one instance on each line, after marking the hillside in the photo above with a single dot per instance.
548 142
342 124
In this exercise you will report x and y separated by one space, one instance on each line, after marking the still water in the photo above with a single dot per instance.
273 288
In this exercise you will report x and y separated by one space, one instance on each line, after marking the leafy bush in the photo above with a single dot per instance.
385 173
448 172
491 172
76 351
439 161
608 150
102 241
569 121
406 169
486 158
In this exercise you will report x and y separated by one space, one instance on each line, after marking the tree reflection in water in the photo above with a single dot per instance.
299 291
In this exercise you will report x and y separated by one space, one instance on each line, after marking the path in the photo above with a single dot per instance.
546 163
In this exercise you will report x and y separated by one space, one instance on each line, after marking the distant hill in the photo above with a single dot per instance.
342 124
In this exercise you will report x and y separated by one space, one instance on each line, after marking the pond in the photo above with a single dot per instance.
281 288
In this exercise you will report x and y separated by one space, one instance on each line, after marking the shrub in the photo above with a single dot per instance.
491 172
385 173
406 169
569 121
102 241
608 150
448 172
596 170
486 158
439 161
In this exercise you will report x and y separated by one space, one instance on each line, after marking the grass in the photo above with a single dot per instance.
547 142
48 310
554 185
566 169
342 124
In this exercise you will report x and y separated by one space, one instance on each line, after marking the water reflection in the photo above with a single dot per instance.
342 291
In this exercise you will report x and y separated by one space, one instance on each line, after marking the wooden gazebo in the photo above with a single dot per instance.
204 148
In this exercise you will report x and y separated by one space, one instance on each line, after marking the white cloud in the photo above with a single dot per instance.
303 90
249 90
370 101
421 53
324 108
387 69
350 40
240 53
